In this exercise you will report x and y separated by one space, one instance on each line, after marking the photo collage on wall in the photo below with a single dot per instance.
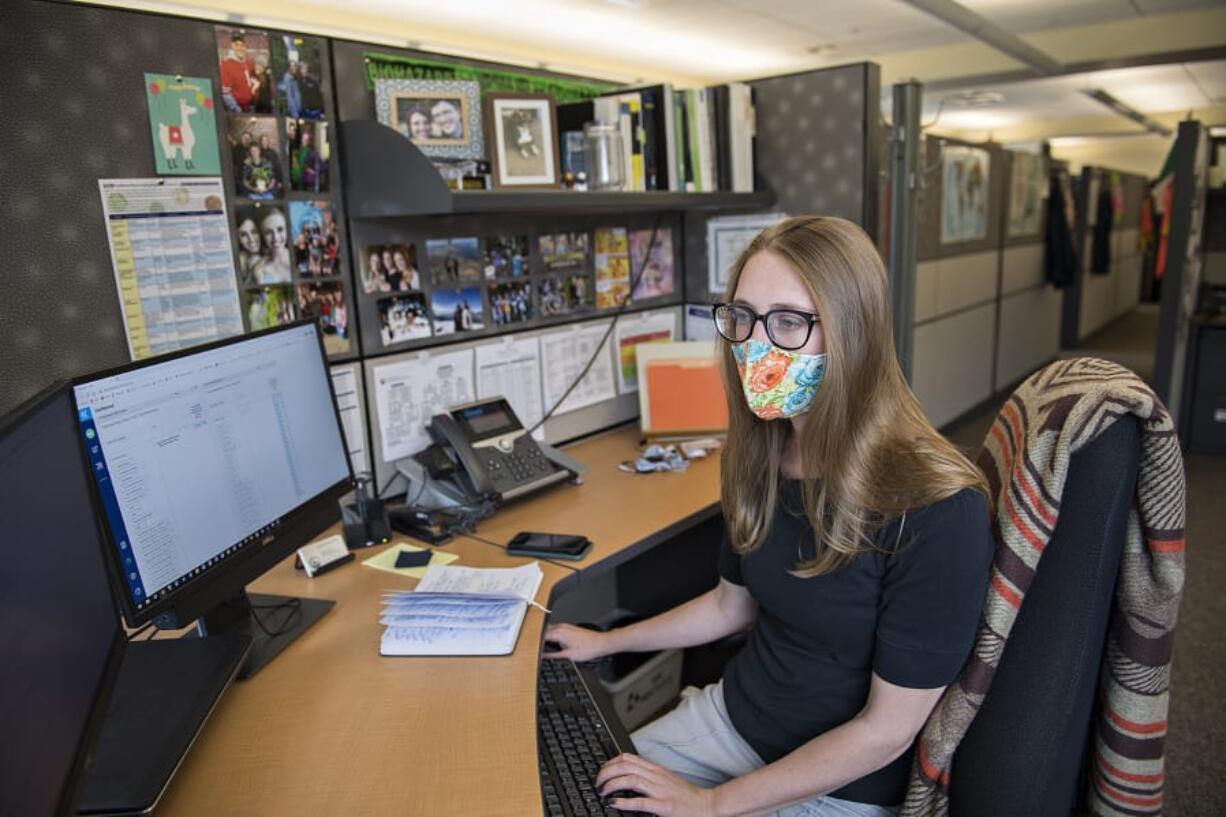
444 286
286 223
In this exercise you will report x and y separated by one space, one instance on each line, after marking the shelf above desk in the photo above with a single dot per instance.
386 176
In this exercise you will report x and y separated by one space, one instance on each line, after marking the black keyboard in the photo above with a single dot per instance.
574 737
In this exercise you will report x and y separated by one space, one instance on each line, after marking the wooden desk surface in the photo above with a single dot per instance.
331 727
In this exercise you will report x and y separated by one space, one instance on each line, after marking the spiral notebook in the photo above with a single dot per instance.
459 611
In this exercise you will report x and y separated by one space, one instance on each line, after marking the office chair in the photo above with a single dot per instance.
1031 746
1027 749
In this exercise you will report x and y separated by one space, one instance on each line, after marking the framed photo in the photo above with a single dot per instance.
523 139
441 117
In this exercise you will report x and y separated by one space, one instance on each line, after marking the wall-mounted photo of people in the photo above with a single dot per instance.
297 68
246 78
551 296
656 278
454 261
326 302
270 306
255 149
563 250
308 154
506 256
403 317
510 303
316 244
390 268
263 244
457 310
578 292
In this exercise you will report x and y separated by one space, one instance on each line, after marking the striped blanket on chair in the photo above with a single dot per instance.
1054 414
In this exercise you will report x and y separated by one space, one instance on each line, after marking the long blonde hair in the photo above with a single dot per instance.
865 433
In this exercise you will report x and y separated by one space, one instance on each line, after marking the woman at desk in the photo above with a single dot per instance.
857 555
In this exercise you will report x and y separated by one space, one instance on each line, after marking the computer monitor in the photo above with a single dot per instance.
211 465
58 624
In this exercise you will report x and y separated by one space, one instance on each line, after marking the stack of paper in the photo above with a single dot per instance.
459 611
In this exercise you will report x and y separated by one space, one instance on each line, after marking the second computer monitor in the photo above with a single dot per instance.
212 465
59 630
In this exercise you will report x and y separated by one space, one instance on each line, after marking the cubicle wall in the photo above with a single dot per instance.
1029 319
531 368
818 145
956 290
1106 296
985 316
77 98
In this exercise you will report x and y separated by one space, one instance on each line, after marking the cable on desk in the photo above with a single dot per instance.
293 606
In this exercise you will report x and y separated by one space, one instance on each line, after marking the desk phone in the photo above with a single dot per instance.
493 450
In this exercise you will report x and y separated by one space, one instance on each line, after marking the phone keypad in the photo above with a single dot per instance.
525 463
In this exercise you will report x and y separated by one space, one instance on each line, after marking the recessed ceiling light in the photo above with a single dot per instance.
977 99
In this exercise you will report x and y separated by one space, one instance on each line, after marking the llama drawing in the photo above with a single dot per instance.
179 139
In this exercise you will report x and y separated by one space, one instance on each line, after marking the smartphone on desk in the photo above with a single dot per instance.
549 545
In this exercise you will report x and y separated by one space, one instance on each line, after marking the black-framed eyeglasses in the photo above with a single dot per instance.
787 328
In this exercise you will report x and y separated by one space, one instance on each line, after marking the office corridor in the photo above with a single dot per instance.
1196 734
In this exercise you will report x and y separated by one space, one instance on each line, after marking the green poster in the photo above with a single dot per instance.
389 66
183 124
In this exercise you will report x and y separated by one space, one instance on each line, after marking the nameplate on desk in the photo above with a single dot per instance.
324 555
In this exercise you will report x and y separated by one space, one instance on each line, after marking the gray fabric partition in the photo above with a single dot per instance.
77 98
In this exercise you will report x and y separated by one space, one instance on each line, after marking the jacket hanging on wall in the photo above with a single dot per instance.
1059 252
1100 257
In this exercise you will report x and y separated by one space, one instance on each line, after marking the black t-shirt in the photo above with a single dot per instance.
910 617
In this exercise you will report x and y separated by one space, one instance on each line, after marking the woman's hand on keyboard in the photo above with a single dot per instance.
635 784
577 643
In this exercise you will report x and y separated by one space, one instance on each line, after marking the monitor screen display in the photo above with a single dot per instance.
200 456
58 621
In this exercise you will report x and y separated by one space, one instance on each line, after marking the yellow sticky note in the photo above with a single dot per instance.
387 560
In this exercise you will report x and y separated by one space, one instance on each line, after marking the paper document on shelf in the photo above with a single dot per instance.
345 387
387 560
699 323
648 327
563 356
521 582
512 368
727 236
408 393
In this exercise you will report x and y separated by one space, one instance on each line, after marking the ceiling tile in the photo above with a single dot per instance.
1211 77
1036 15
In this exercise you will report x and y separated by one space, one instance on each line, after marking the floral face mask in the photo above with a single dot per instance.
778 384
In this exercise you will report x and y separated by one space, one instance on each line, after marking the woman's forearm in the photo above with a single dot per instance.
709 617
829 761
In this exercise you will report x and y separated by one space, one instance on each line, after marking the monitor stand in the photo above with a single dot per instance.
165 692
272 623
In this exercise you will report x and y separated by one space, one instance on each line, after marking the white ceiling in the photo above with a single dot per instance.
741 38
1174 88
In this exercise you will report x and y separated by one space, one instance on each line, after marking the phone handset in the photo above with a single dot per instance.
446 431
